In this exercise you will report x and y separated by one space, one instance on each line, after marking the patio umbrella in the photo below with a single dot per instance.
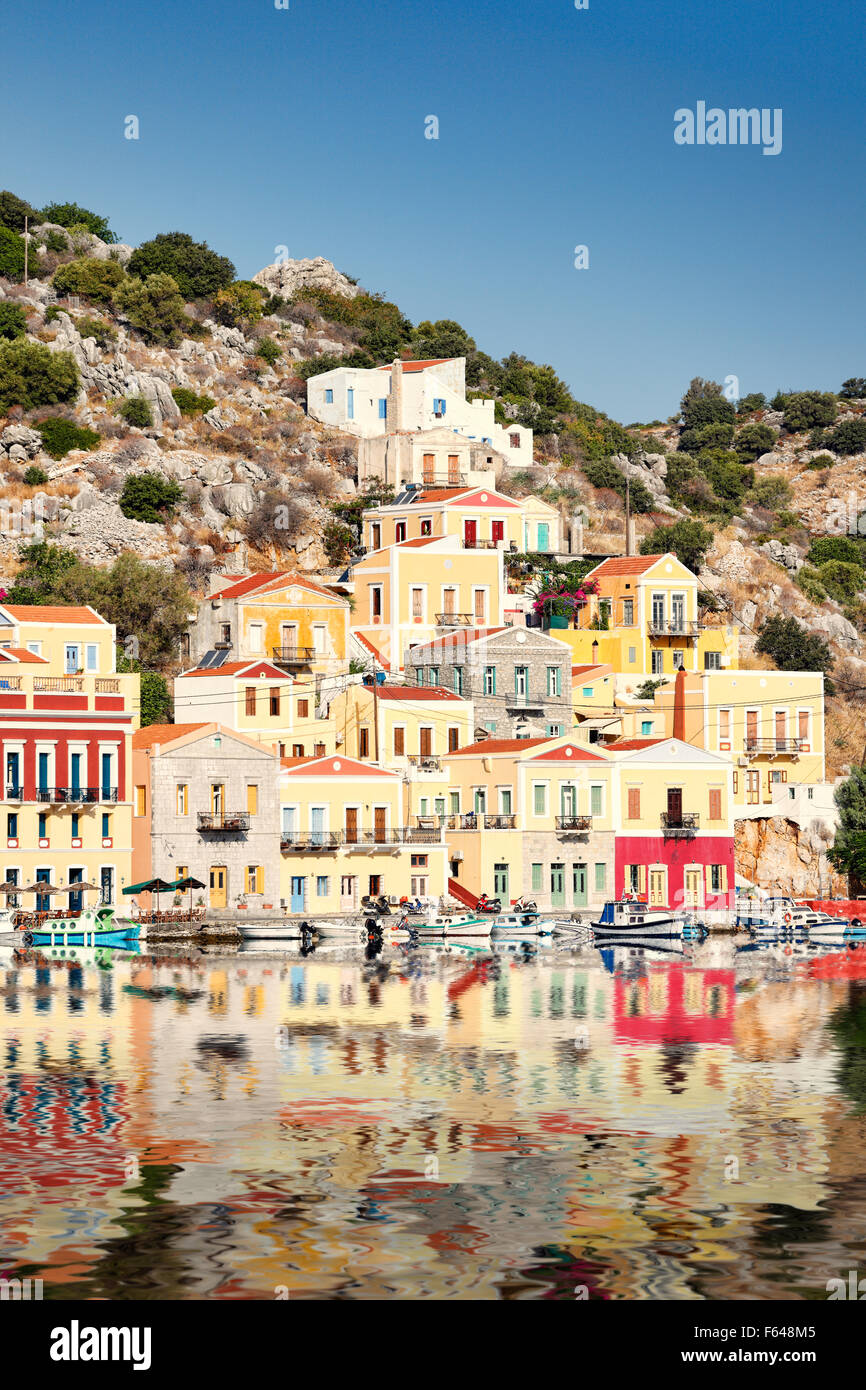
150 885
188 883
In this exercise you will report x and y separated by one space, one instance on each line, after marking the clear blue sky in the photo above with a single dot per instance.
305 127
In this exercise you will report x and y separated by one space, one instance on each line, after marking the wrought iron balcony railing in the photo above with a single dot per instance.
683 823
311 839
223 820
773 745
574 822
293 656
673 627
458 620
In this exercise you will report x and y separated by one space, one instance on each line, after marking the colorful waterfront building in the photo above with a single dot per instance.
298 623
260 699
480 517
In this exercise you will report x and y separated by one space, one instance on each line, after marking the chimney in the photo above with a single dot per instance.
395 405
680 706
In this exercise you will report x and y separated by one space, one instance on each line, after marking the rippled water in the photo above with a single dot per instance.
604 1125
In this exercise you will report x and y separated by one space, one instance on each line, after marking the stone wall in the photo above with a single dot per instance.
777 853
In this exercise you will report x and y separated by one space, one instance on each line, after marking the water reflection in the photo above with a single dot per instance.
611 1125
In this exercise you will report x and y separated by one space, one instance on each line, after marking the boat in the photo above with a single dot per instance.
93 926
522 924
777 912
433 924
276 931
628 918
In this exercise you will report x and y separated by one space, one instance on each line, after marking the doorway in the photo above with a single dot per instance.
557 885
297 899
218 886
578 873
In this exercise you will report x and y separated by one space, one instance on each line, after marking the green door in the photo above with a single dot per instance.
500 882
557 885
543 536
578 873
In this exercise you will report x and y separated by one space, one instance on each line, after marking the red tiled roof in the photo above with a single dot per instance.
44 613
632 744
334 765
624 564
439 494
497 745
415 692
460 637
417 541
163 733
418 364
21 654
567 753
253 582
257 670
583 670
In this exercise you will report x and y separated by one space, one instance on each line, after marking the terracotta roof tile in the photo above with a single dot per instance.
163 733
45 613
278 578
416 692
21 654
624 564
497 745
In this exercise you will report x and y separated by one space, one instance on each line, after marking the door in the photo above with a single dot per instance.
317 825
43 900
351 825
379 828
500 882
543 536
76 900
449 599
288 640
751 729
72 662
106 885
781 731
678 612
578 876
470 534
675 805
658 618
453 470
569 803
428 469
480 801
425 743
106 776
348 892
753 788
296 903
480 608
692 888
13 774
218 886
290 827
658 896
75 773
497 532
44 765
557 885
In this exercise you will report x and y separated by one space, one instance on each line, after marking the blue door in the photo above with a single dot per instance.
106 777
317 825
297 901
43 771
75 773
543 536
43 901
76 900
350 403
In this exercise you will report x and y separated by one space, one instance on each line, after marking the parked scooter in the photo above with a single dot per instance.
486 904
380 905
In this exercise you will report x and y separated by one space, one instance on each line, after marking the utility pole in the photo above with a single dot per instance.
376 710
26 248
627 515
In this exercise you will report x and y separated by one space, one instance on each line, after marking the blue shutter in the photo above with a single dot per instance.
350 403
383 408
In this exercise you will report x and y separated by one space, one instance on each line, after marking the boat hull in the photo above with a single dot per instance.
664 928
119 938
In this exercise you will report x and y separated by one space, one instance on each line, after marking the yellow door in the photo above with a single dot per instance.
658 891
218 886
692 887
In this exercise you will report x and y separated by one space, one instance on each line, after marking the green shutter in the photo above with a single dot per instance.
536 878
600 877
540 799
595 802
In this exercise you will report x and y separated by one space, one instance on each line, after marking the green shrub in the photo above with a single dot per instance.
728 477
270 351
772 493
842 581
604 473
13 320
854 389
791 647
712 436
806 409
756 401
820 462
31 375
98 280
240 303
155 308
849 437
807 580
103 332
339 540
35 476
11 254
149 497
754 440
13 211
188 403
845 548
71 215
136 411
197 271
57 242
689 540
60 437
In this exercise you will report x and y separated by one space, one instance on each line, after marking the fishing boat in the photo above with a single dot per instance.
434 924
522 924
628 918
93 926
275 931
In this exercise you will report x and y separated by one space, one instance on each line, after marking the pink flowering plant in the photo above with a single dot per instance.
562 601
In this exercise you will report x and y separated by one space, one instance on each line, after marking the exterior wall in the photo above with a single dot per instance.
223 700
502 713
177 841
257 621
529 524
51 638
355 709
399 458
629 650
675 857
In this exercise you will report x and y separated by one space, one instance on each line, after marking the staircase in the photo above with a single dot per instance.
456 890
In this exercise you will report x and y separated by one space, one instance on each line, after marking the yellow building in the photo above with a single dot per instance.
67 719
644 621
344 834
259 699
769 724
299 624
479 517
401 726
410 593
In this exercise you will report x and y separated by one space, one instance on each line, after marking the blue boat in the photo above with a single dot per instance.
94 926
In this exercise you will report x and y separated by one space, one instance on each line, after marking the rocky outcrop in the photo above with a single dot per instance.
778 853
290 278
84 243
18 443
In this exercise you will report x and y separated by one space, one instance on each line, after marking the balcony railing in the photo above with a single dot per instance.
683 823
58 685
401 835
522 699
773 745
475 820
479 544
425 762
311 839
673 627
10 683
223 820
500 822
293 656
444 480
107 685
458 620
73 796
574 823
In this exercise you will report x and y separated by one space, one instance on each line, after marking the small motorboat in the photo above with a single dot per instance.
522 924
435 924
629 918
275 931
93 926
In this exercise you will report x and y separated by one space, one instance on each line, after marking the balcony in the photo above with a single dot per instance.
483 544
220 821
458 620
673 627
466 821
432 480
573 824
58 685
401 835
684 823
522 699
106 685
500 822
63 796
293 656
311 839
424 762
10 683
758 747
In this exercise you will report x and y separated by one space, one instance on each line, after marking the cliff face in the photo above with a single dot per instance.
777 853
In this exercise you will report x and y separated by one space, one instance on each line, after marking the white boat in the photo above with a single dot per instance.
628 919
435 924
522 924
275 931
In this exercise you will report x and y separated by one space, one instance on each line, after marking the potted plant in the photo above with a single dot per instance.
559 606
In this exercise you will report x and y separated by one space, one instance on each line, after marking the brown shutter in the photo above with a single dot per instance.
399 742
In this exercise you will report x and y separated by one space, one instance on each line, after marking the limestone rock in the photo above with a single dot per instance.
290 278
19 442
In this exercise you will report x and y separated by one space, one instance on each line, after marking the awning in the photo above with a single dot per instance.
151 885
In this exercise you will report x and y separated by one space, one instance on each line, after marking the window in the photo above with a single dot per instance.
92 657
255 879
454 802
297 750
425 741
600 878
716 878
383 407
181 870
318 750
658 612
634 803
490 726
320 638
426 527
539 795
628 612
419 675
303 708
35 648
712 661
217 798
595 800
453 739
417 605
106 825
632 655
399 742
521 680
43 825
587 692
256 636
419 861
554 730
350 403
724 728
433 675
322 886
375 535
458 680
438 407
141 801
364 743
226 633
274 701
329 395
536 877
514 441
679 659
12 825
553 688
715 804
646 727
505 801
480 606
803 729
400 532
658 663
489 680
376 602
74 824
428 468
182 801
250 698
252 799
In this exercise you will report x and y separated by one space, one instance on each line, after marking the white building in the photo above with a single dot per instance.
411 396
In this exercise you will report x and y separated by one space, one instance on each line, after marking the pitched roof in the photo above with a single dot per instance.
585 670
21 654
438 494
416 692
45 613
257 670
461 637
273 578
567 752
627 745
416 542
419 364
335 766
624 564
497 745
163 733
